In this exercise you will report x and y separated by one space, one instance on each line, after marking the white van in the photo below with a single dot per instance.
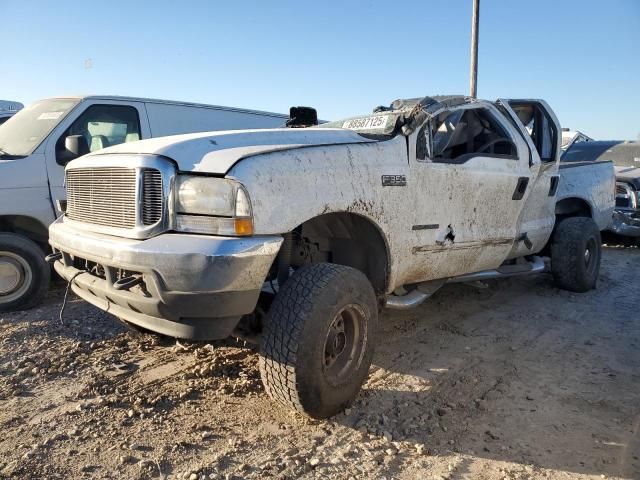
38 141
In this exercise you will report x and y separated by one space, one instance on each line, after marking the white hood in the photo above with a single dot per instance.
217 152
627 171
628 175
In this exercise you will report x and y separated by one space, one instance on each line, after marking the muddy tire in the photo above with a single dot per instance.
24 275
576 250
318 339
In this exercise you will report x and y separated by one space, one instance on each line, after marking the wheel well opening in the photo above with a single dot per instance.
27 226
566 208
343 238
573 207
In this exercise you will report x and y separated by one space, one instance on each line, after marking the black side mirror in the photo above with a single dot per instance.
300 117
76 145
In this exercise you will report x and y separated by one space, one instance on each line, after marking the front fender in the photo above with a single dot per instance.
32 204
290 187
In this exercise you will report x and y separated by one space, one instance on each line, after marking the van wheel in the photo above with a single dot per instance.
576 250
318 339
24 275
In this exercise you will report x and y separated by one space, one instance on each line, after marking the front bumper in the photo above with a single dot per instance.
626 223
192 286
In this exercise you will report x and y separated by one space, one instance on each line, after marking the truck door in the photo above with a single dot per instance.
540 129
469 190
96 124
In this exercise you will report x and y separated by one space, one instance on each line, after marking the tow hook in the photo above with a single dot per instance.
128 282
53 257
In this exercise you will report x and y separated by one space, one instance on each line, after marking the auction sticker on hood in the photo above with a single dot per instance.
50 115
377 122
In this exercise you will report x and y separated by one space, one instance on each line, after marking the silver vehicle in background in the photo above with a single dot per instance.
8 109
626 160
569 137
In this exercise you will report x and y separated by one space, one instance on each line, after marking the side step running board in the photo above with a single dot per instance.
536 265
426 289
415 297
406 302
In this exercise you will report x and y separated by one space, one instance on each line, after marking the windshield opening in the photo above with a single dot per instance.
22 133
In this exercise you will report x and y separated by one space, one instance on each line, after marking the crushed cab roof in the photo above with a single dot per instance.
427 101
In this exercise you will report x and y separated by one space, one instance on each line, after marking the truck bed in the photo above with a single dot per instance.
593 182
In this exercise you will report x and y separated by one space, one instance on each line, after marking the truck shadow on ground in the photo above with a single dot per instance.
518 372
78 322
614 240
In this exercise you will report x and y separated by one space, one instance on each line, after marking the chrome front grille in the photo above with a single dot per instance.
151 196
108 196
625 196
124 195
102 196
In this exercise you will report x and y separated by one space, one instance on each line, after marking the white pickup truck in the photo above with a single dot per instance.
299 236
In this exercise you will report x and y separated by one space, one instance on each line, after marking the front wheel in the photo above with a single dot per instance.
24 275
576 250
318 339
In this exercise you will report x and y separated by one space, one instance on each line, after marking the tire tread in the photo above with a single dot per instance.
283 330
566 253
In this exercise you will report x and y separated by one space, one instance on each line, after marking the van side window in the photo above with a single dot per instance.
102 126
539 127
462 134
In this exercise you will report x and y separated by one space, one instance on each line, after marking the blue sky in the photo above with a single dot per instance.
342 57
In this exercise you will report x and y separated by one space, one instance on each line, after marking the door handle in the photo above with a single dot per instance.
553 185
521 187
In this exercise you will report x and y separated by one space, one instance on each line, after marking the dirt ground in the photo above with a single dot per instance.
514 381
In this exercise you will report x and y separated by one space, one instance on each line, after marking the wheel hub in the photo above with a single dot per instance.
591 255
342 347
339 343
336 344
15 276
11 275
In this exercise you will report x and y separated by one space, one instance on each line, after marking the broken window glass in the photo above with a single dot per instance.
539 127
461 134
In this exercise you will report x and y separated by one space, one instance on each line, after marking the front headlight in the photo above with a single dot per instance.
217 206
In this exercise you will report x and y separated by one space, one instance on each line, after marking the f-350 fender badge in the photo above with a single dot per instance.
394 180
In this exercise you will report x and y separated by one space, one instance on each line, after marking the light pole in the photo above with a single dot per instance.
473 73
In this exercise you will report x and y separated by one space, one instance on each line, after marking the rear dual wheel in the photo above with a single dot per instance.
318 339
576 251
